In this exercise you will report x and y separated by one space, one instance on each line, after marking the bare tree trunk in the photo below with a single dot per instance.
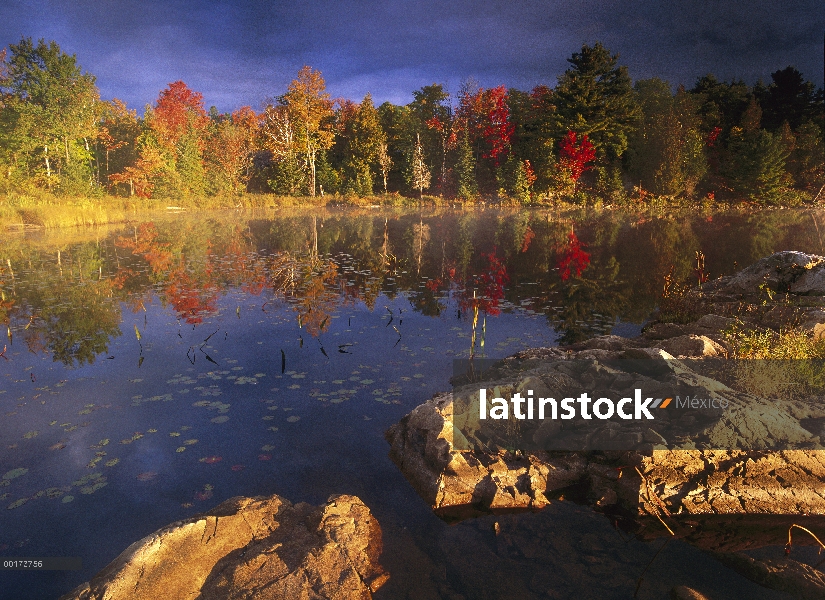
48 166
312 173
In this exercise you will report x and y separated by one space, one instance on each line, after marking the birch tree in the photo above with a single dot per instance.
310 109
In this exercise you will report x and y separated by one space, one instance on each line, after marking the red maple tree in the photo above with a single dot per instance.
177 109
575 156
499 130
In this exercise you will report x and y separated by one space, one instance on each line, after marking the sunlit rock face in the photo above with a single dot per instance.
262 547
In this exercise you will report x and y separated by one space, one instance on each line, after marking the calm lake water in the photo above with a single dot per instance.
155 369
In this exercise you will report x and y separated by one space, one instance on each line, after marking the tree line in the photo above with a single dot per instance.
595 133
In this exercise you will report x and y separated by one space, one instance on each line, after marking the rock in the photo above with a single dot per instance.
262 547
682 592
607 342
663 331
811 282
707 324
691 345
783 574
697 459
783 272
568 551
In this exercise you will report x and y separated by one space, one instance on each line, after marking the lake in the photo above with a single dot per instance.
154 369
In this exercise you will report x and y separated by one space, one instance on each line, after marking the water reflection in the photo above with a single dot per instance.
584 273
159 368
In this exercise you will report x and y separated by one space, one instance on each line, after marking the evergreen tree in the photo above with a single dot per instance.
666 153
595 97
365 137
788 98
756 169
466 187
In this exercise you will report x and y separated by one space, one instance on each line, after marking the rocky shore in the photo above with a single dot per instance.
264 548
760 457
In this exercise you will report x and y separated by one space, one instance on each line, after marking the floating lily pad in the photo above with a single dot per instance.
220 419
88 478
15 473
211 460
54 492
30 434
147 476
190 442
17 503
91 489
293 419
264 457
67 499
112 463
180 449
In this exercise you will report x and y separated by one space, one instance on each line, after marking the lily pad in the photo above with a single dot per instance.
15 473
17 503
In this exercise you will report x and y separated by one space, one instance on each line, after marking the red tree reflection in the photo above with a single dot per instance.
573 260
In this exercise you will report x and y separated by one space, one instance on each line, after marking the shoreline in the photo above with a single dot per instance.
43 211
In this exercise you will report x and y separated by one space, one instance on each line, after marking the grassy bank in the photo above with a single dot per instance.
43 210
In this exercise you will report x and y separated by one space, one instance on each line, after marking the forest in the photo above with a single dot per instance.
596 134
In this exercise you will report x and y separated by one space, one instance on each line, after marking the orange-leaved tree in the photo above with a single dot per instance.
310 111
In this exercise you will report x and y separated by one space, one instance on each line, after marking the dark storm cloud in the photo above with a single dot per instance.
242 52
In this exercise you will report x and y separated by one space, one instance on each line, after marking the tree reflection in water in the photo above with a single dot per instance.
583 271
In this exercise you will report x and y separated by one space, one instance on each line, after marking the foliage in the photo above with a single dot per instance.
575 156
592 133
594 97
573 260
50 111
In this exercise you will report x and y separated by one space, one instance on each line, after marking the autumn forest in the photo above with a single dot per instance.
596 134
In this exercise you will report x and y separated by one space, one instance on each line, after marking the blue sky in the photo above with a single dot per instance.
238 53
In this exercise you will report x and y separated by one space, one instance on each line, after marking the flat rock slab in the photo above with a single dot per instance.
264 548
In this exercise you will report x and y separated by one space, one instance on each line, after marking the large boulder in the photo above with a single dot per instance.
783 272
755 456
263 547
